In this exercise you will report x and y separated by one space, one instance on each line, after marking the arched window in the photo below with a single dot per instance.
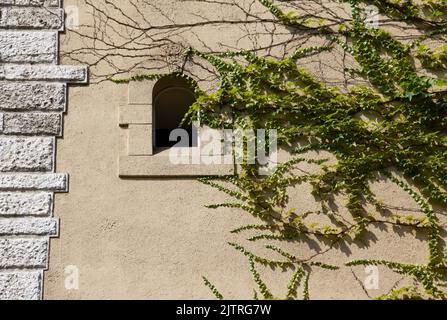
172 97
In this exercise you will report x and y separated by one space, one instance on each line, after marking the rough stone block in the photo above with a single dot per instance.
26 204
31 3
28 226
29 47
31 18
43 72
27 181
23 253
26 154
32 123
30 96
20 285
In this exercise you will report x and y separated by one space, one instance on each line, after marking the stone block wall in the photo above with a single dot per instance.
33 91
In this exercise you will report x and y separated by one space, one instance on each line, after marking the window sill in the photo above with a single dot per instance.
159 165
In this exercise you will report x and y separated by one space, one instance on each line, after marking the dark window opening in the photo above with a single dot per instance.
172 99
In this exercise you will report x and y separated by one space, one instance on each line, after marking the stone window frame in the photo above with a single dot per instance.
139 158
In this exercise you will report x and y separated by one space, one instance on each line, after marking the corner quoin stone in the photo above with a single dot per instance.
30 47
26 154
26 203
21 285
72 74
32 98
36 3
32 123
36 181
28 226
23 253
31 18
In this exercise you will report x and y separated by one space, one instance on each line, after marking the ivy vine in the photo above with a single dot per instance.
407 145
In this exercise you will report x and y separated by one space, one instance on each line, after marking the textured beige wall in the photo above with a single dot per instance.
153 238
